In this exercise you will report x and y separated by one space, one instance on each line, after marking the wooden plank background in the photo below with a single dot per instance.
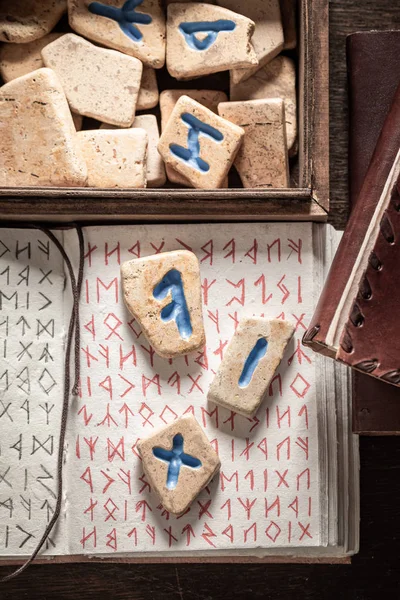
375 572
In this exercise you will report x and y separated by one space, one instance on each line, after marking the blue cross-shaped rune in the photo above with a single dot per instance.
125 16
176 458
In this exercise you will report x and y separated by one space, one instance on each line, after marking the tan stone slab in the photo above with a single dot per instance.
218 51
118 30
168 98
249 363
262 160
155 164
148 91
288 11
19 59
163 293
38 143
267 39
213 151
115 158
179 462
99 83
277 79
23 21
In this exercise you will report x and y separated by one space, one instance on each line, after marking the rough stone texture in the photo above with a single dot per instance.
155 164
168 98
99 83
229 50
288 11
267 39
38 143
107 31
190 480
19 59
148 92
277 79
225 389
217 154
262 160
115 158
141 276
23 21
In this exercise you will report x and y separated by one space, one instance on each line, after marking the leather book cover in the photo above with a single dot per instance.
373 62
357 313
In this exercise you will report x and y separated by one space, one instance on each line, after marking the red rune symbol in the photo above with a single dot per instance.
169 410
112 540
303 444
270 246
273 531
151 532
214 318
89 356
186 246
157 249
309 506
195 383
146 413
250 476
108 418
145 485
282 287
240 284
285 442
252 252
135 249
277 378
306 472
87 478
90 509
282 478
295 506
281 316
86 418
175 381
228 506
301 392
142 507
128 389
110 513
299 321
116 250
105 286
256 421
304 411
205 286
106 384
130 325
147 382
299 296
262 445
246 532
214 444
210 414
201 359
170 536
299 354
110 481
91 444
104 351
209 253
247 505
304 530
220 350
189 410
188 529
231 253
77 448
133 533
229 533
231 420
248 447
89 253
87 291
150 351
184 513
126 479
224 478
234 318
134 451
91 328
280 417
164 512
208 534
127 411
116 451
87 537
295 248
204 509
265 480
261 281
115 322
276 504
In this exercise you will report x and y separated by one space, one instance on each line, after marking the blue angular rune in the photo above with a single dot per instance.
210 28
191 154
176 459
177 309
125 16
257 353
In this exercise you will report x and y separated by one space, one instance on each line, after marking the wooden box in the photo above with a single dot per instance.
309 201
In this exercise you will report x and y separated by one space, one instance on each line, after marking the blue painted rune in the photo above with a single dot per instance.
191 154
176 459
177 309
257 353
211 29
126 16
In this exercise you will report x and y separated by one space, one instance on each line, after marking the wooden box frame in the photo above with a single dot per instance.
310 201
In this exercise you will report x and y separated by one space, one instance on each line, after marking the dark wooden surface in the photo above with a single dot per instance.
375 572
